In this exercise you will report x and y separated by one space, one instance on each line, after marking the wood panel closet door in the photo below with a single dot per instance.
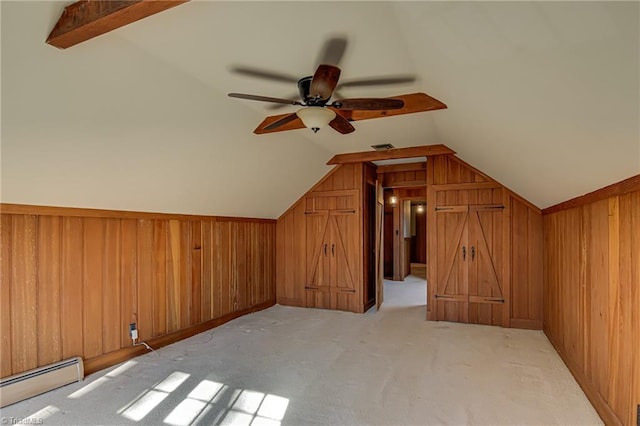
469 264
486 299
344 250
452 300
318 239
318 268
334 250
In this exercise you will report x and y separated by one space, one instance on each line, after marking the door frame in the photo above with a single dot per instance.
398 224
379 244
400 238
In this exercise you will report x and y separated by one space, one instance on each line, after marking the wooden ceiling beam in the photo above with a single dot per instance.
391 154
86 19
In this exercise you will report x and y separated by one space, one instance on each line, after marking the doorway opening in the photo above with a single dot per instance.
401 232
405 247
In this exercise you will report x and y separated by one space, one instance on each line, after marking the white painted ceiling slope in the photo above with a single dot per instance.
542 96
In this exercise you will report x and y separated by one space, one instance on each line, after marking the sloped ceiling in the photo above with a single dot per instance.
544 97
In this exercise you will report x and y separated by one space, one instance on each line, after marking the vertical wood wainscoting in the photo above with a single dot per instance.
72 280
592 295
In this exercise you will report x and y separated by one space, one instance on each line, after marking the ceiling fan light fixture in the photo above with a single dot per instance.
315 117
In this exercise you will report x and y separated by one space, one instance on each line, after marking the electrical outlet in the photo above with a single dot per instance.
133 331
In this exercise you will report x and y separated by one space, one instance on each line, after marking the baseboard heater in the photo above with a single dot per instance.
34 382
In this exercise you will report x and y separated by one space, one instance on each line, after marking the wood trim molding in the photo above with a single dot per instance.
289 301
507 247
631 184
406 184
528 324
432 306
115 214
86 19
391 154
112 358
407 167
462 186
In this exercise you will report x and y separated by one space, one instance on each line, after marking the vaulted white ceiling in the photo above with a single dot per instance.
542 96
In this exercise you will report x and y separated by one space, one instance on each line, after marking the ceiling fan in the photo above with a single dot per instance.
315 93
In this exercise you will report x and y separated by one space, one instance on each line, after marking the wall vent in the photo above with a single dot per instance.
34 382
383 147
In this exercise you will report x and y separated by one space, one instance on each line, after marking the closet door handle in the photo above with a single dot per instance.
473 253
464 253
325 249
333 250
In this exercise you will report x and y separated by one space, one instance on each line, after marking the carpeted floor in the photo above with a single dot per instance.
295 366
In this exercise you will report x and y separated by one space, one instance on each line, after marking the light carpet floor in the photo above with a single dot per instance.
295 366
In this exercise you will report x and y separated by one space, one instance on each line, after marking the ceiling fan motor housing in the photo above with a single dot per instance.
304 85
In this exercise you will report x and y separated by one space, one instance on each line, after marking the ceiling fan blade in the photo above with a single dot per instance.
269 75
368 103
341 124
264 99
414 102
293 124
281 122
324 82
332 51
379 81
275 106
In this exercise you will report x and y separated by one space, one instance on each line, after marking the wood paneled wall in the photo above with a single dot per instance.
521 235
525 240
592 295
72 280
452 181
291 246
403 175
448 170
291 234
